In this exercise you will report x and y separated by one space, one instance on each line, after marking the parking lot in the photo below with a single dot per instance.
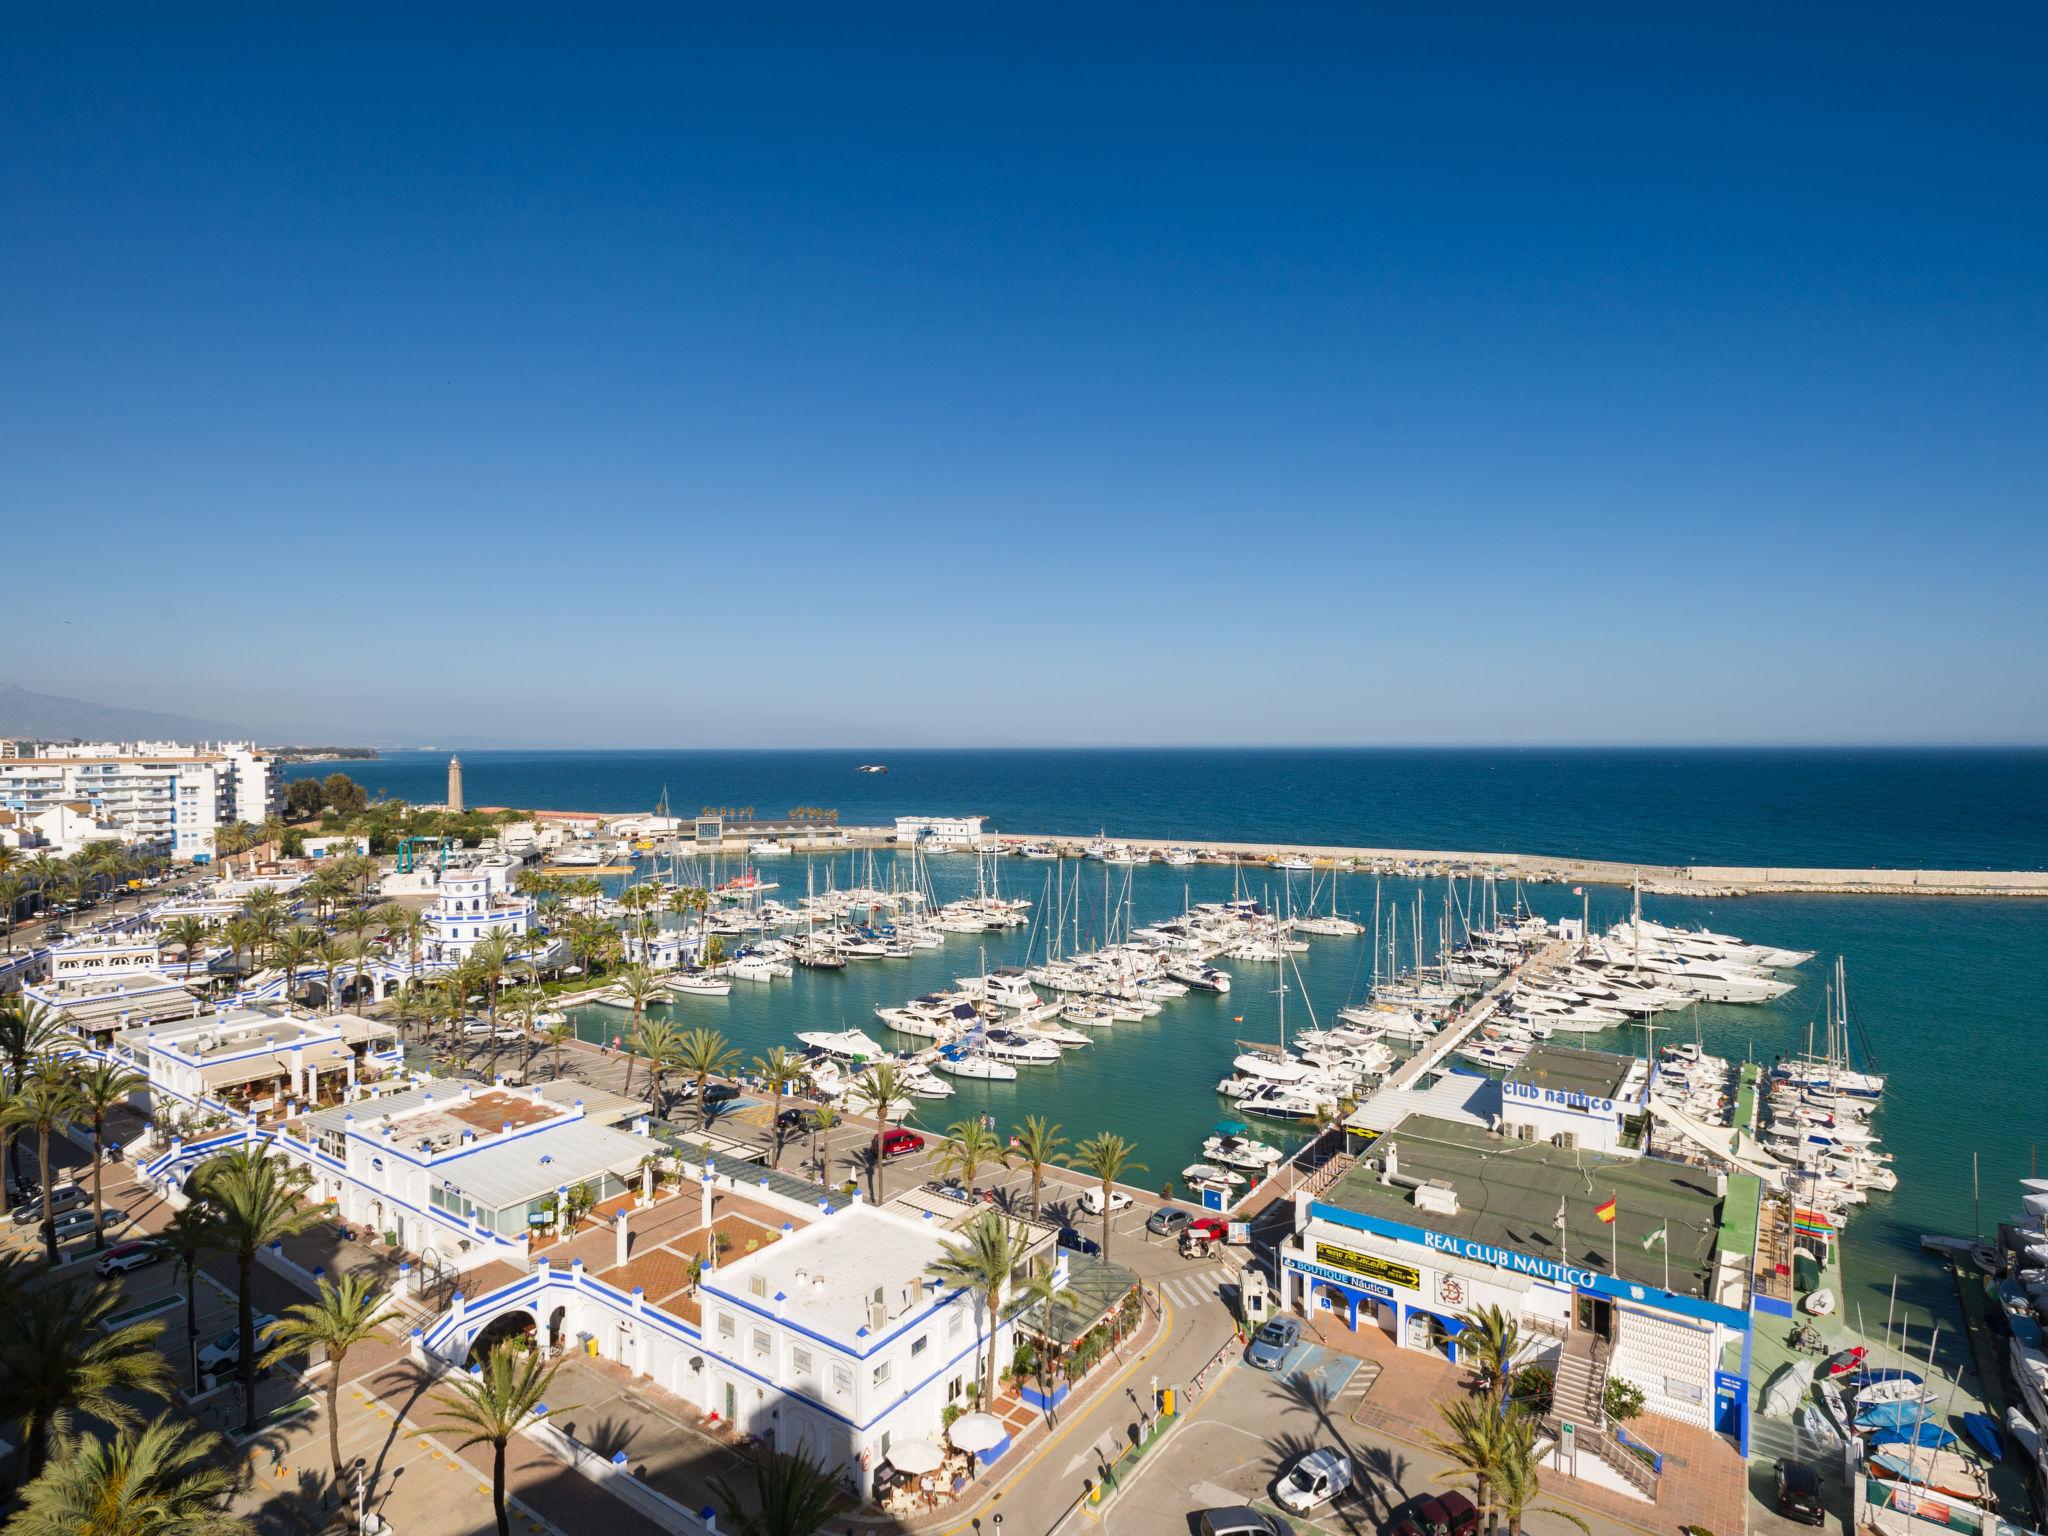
1252 1428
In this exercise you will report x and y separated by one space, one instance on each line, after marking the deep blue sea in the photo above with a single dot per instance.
1949 991
1933 809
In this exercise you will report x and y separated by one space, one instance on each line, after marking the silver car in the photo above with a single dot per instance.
1269 1347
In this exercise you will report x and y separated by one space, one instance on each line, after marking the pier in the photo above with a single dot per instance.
1446 1040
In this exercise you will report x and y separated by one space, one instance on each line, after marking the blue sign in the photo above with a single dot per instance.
1212 1198
1338 1277
1528 1264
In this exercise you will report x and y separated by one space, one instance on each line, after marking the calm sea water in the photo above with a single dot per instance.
1847 809
1947 990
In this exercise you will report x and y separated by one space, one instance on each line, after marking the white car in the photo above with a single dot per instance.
225 1352
1091 1200
1316 1479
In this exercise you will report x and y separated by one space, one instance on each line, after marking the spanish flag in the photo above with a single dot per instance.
1605 1210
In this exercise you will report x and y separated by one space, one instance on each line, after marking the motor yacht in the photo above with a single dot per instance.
842 1044
960 1061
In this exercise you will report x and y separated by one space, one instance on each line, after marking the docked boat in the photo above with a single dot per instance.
700 986
1209 1176
1233 1146
842 1045
961 1061
1015 1046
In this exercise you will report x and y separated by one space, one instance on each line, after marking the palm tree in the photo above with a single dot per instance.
794 1495
881 1089
1037 1294
705 1054
187 934
402 928
63 1359
557 1036
292 948
361 951
188 1238
489 960
824 1121
251 1202
265 908
967 1146
333 955
658 1040
992 1247
1036 1144
165 1480
348 1312
242 936
99 1086
12 890
1492 1337
1108 1157
640 987
42 1103
28 1030
1474 1447
490 1406
780 1071
1516 1479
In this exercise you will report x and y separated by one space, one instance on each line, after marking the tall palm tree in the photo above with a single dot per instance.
1492 1337
880 1088
333 953
403 928
251 1201
557 1036
290 950
100 1087
705 1054
265 908
164 1480
824 1121
348 1312
361 952
1037 1294
659 1041
489 1407
28 1031
42 1103
187 934
243 937
640 987
1475 1443
1109 1157
1036 1145
188 1237
1517 1479
13 888
489 960
968 1145
780 1071
63 1359
992 1247
794 1495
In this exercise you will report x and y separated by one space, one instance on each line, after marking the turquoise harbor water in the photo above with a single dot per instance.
1948 991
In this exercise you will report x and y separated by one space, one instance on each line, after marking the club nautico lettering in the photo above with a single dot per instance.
1558 1098
1520 1263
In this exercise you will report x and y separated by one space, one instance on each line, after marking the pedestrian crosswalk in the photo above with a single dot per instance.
1197 1288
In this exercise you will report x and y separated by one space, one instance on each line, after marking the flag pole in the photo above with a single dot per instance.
1666 1229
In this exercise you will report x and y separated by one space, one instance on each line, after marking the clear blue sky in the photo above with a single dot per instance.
857 374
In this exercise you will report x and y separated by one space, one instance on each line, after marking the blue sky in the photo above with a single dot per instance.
886 375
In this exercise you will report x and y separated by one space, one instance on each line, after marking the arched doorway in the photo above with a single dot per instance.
517 1324
557 1321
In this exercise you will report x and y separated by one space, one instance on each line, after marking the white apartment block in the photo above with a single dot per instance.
163 793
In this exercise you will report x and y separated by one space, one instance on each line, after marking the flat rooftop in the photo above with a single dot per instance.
1509 1192
443 1121
829 1271
1569 1069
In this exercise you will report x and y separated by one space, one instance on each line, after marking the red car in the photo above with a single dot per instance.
1448 1514
899 1143
1215 1228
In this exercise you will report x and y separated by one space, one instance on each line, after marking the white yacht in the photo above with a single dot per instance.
1209 1176
1233 1145
960 1061
923 1082
842 1045
1012 1045
1007 988
1200 977
699 985
768 848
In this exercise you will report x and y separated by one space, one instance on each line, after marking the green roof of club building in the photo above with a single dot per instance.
1566 1068
1509 1192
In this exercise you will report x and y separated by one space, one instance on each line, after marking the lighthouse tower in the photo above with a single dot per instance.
454 783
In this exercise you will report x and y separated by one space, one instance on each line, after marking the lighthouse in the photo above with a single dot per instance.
454 783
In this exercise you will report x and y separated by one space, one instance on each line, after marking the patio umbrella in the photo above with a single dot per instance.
916 1457
973 1432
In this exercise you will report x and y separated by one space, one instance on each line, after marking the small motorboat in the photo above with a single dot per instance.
1201 1175
1820 1428
1989 1258
1842 1362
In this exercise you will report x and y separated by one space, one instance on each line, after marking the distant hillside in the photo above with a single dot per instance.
49 716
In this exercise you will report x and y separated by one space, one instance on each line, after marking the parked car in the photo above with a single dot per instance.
1448 1514
1215 1228
901 1143
77 1223
1240 1520
1313 1481
62 1199
127 1256
1799 1493
1091 1200
1070 1238
1270 1345
797 1119
225 1352
1168 1221
720 1093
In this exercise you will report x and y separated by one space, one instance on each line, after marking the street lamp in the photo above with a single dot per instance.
361 1490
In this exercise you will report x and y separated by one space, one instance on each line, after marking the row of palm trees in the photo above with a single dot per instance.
42 880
